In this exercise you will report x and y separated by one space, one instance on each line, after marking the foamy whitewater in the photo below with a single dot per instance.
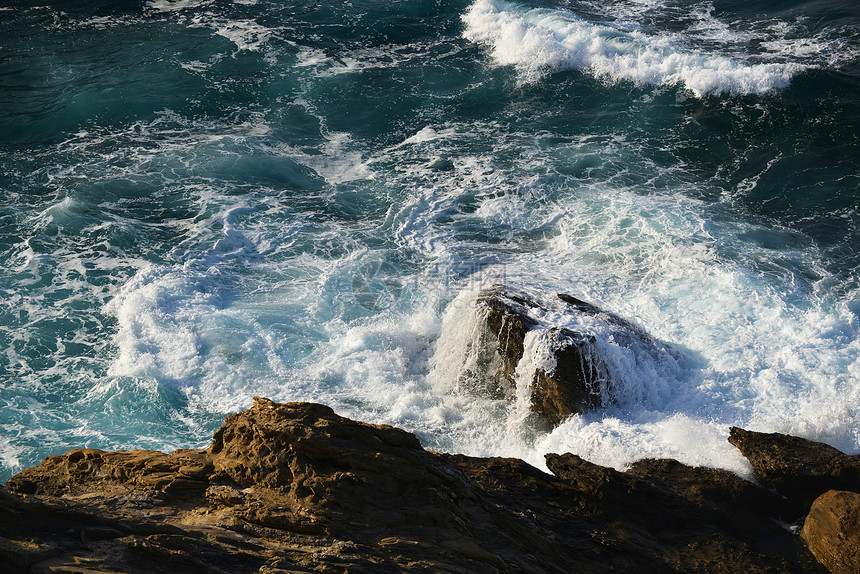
539 40
205 201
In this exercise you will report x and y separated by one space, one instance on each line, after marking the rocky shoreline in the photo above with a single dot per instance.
293 487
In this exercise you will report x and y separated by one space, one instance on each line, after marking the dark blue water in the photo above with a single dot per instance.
203 200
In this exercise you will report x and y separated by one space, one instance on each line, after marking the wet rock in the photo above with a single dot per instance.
799 469
832 531
293 487
508 319
574 384
579 378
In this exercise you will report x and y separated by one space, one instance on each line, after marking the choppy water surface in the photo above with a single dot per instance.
203 200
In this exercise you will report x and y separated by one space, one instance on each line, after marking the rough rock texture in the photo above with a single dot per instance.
797 468
295 488
508 320
832 531
574 385
706 519
581 379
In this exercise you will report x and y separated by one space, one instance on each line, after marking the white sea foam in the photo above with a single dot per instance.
425 135
537 41
10 454
174 328
339 163
246 34
195 66
153 339
376 58
766 351
310 57
615 442
177 5
756 355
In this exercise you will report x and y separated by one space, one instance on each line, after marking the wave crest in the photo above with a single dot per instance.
537 41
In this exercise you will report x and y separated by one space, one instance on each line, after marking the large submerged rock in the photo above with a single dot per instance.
294 487
578 377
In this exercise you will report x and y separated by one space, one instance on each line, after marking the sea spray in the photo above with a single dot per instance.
537 41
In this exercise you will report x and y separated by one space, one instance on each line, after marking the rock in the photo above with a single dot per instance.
574 385
84 469
805 473
699 517
293 487
832 531
580 378
711 489
799 469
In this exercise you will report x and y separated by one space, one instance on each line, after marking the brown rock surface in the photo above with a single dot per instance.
508 321
708 520
574 385
295 488
581 379
832 531
799 469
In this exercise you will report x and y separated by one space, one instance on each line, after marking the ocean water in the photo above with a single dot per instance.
206 200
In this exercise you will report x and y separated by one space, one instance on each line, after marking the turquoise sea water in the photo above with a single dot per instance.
206 200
